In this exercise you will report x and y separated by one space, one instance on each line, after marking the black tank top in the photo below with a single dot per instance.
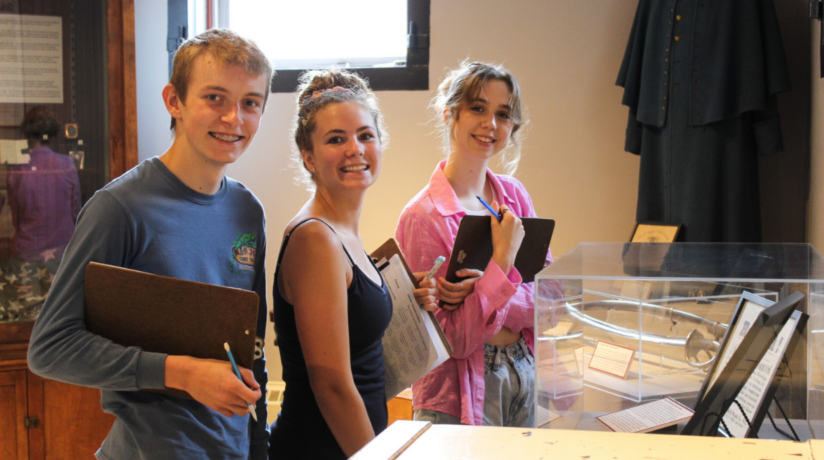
300 430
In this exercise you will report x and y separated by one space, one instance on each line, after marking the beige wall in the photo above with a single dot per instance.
815 205
566 55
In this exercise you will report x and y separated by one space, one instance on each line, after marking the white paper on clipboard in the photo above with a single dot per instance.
413 344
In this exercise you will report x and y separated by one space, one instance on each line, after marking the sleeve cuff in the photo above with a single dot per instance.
633 141
768 137
151 371
502 285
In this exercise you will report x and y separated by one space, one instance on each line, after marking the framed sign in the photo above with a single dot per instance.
655 232
752 331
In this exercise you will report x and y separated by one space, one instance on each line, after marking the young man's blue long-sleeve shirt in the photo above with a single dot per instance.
148 220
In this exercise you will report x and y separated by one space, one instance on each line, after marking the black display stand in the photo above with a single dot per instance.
715 400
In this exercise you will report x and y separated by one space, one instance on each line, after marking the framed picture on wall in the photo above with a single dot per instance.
655 232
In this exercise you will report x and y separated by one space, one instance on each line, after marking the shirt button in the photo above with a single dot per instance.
677 38
678 17
663 108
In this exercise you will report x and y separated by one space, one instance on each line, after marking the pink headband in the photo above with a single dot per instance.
336 89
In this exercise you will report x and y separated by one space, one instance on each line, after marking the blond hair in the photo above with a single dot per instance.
461 86
314 95
227 48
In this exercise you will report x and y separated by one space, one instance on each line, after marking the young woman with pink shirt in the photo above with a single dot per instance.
489 379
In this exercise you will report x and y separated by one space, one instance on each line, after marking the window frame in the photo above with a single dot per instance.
412 77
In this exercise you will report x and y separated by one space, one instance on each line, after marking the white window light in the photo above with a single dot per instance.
322 33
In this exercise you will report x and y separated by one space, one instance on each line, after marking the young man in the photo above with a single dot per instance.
178 216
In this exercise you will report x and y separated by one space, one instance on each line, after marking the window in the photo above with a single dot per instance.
386 41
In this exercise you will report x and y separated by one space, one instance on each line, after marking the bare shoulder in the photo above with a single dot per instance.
314 257
314 241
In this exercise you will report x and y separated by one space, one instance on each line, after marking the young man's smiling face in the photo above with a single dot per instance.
221 112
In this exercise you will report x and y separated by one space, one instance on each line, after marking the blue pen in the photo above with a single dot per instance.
497 216
237 372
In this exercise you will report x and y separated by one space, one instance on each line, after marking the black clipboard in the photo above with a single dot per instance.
473 246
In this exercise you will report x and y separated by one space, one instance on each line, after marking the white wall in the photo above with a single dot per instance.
151 60
566 55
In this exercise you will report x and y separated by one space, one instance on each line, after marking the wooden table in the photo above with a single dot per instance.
406 440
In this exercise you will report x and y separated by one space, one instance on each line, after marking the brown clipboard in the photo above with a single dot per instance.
169 315
386 251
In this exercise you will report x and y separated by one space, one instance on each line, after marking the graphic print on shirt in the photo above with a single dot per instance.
243 253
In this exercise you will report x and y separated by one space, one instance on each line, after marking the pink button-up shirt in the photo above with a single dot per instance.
427 229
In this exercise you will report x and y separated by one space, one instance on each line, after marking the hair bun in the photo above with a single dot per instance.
325 79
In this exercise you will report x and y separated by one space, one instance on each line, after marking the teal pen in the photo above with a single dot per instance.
237 372
438 262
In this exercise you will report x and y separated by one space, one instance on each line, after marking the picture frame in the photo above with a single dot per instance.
655 232
763 405
724 383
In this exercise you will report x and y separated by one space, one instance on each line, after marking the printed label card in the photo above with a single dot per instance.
612 359
545 416
647 417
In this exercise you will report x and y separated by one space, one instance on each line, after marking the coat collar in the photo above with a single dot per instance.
444 198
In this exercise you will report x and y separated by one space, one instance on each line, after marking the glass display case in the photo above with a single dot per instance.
656 313
66 129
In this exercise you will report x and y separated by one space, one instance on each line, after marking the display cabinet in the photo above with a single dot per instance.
67 127
620 324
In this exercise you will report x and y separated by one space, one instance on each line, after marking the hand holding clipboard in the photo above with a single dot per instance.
473 247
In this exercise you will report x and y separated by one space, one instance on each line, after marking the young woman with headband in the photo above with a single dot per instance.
331 305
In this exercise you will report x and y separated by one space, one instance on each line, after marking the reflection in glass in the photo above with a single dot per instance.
43 197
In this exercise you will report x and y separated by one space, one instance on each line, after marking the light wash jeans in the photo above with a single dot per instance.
509 398
509 378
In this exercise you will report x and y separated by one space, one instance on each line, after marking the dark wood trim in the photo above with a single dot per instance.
122 87
36 408
15 331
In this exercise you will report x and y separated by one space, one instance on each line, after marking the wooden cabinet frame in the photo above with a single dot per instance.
122 87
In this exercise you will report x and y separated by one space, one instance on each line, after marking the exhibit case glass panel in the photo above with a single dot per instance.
54 139
621 324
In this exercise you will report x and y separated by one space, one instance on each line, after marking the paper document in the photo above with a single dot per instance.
545 416
647 417
413 344
752 394
745 320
